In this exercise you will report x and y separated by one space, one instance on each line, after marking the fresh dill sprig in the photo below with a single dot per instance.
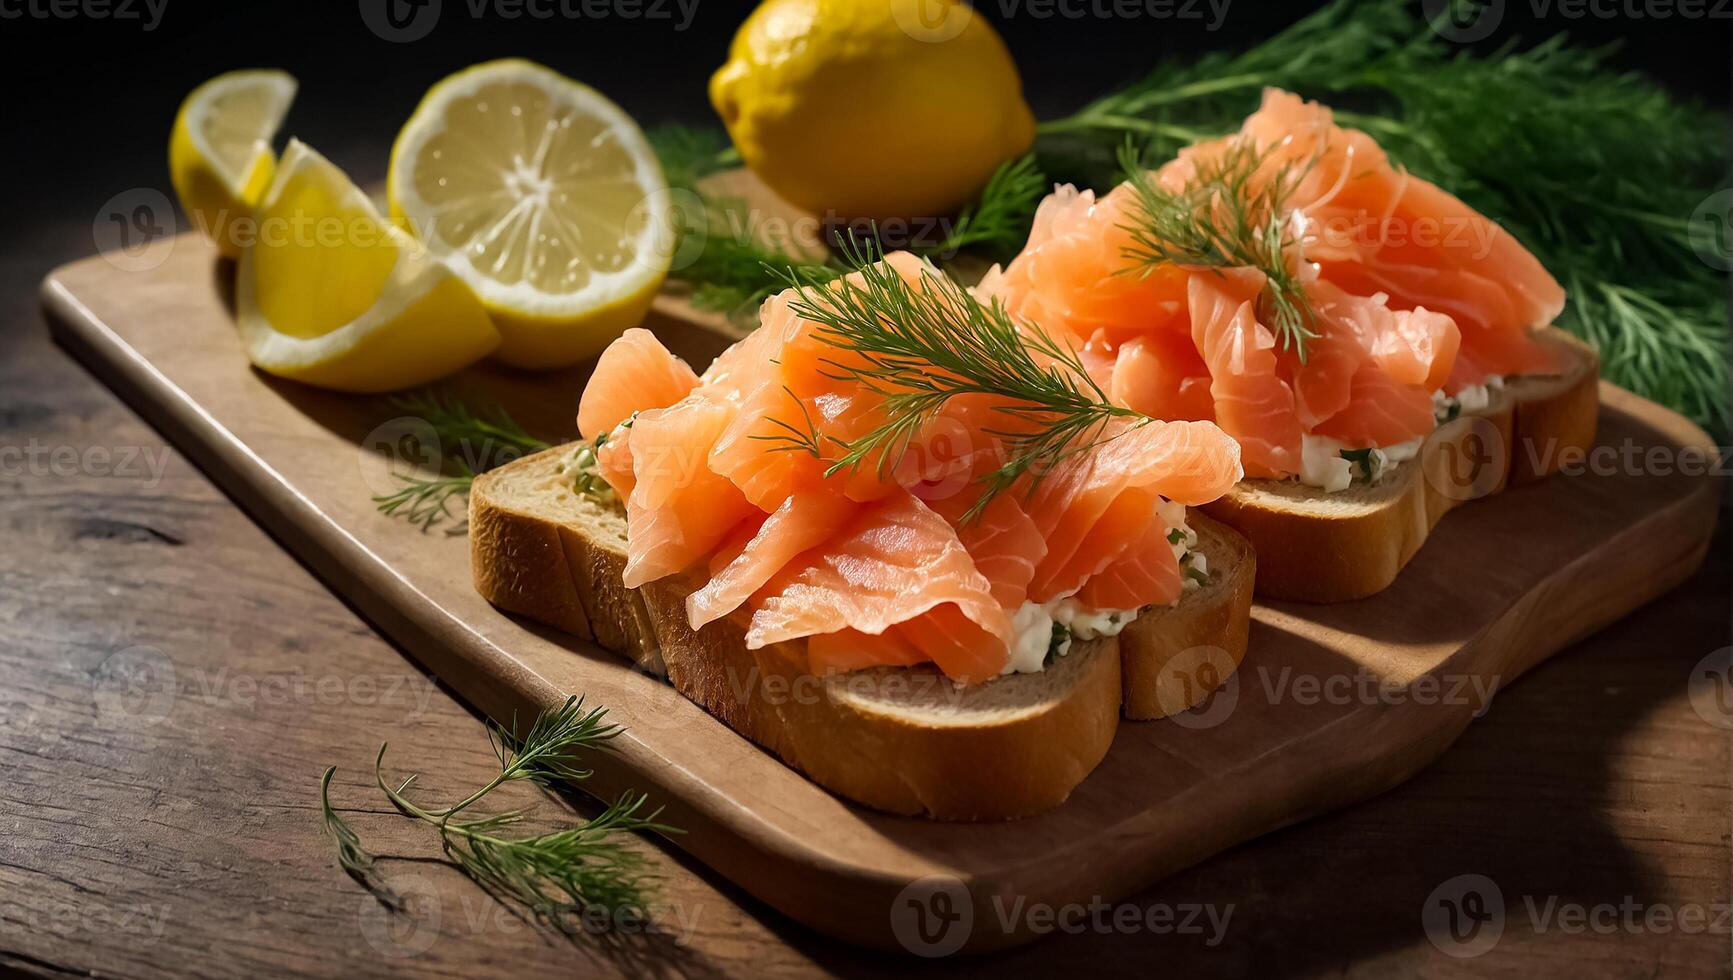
918 348
425 500
355 860
480 435
1224 218
470 441
803 438
996 222
554 875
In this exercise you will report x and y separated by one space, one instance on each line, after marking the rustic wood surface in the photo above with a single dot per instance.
181 836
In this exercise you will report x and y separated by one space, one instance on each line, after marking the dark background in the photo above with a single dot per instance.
90 102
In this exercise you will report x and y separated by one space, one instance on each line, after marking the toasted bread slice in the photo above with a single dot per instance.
1316 546
904 740
1172 658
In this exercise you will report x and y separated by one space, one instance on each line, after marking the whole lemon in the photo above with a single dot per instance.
874 109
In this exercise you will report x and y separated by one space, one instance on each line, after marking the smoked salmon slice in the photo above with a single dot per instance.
635 373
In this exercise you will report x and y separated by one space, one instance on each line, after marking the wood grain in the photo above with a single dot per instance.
1470 608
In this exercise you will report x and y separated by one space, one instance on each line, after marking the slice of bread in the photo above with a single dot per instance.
1315 546
1172 657
904 740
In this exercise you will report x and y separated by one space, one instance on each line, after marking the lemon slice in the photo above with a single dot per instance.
545 197
219 153
332 294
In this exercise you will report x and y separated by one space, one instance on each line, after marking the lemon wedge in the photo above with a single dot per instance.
331 294
542 195
219 152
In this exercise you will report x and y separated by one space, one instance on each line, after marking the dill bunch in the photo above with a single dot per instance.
1223 220
1595 170
554 875
920 347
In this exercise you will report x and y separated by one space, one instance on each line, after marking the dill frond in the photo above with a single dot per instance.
355 860
471 440
997 220
481 432
425 501
1224 219
554 875
918 348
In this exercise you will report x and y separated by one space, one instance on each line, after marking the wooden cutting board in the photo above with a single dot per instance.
1333 704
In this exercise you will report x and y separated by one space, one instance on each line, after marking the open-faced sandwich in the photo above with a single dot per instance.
895 536
1379 350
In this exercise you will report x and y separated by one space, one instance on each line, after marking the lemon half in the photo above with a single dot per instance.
220 158
542 195
332 294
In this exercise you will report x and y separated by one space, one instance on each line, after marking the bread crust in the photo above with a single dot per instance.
905 740
1173 658
1320 547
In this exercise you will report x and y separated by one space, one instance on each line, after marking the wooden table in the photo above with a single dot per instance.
179 835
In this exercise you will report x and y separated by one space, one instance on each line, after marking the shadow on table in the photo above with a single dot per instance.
1527 798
